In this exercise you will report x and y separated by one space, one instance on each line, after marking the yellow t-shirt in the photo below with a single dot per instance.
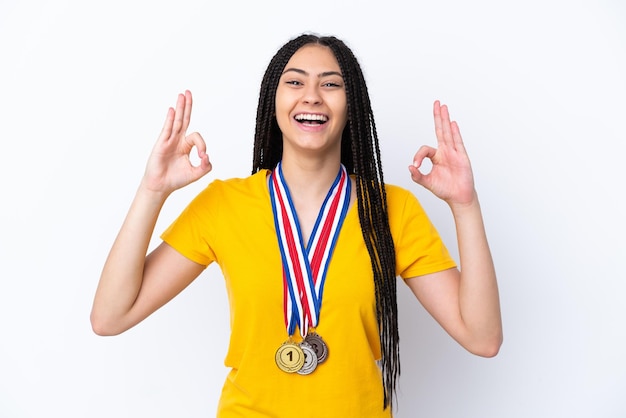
231 223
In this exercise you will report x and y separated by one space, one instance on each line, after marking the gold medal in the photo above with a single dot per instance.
289 357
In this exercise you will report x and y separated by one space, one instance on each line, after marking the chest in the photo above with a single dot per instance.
252 267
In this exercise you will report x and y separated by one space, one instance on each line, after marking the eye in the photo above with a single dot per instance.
331 84
293 82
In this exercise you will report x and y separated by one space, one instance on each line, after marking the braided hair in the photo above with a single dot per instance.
360 154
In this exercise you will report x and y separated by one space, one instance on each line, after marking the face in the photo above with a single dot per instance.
311 105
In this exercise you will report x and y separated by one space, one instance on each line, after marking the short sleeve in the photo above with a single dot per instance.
419 248
190 233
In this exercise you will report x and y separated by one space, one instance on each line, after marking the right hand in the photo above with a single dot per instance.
169 167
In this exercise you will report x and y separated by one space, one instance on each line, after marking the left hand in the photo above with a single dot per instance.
450 178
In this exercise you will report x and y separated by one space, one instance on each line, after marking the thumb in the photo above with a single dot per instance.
204 166
417 176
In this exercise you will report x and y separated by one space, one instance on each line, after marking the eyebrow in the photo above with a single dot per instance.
320 75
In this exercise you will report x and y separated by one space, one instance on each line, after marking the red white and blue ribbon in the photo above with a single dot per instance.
305 267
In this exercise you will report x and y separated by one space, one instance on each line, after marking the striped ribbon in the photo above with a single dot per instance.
305 267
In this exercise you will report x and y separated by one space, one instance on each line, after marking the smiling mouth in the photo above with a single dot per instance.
311 119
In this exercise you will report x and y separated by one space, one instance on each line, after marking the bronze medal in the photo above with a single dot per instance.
319 346
289 357
310 359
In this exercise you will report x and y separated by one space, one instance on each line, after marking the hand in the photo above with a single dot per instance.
451 177
169 167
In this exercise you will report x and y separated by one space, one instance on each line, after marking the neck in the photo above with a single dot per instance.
309 183
310 178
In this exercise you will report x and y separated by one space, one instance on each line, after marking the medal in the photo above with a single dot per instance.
305 267
318 345
290 357
310 359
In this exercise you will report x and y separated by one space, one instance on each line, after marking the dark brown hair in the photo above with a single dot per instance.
360 154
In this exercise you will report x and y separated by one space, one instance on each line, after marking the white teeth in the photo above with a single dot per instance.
311 117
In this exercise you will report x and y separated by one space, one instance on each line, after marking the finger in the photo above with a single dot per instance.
201 169
445 125
424 152
178 116
166 131
187 110
420 178
456 136
416 175
196 140
438 122
205 165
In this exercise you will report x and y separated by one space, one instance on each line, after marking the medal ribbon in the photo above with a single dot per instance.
305 267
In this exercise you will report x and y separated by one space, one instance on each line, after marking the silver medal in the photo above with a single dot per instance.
310 359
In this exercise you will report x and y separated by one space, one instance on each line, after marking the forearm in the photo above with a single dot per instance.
122 274
478 292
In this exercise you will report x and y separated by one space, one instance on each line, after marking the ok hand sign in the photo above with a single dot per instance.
169 167
451 177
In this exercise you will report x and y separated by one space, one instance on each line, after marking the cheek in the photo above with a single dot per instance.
282 123
343 113
281 110
339 104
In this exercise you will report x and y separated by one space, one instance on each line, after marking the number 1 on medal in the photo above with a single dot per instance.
289 357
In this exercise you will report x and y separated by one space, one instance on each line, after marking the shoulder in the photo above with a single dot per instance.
404 209
395 192
399 198
227 200
252 182
253 186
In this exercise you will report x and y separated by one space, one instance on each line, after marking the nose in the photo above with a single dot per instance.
311 94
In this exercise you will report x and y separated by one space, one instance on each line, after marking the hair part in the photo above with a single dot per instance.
360 154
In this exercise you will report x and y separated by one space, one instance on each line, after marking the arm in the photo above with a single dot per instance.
465 302
131 285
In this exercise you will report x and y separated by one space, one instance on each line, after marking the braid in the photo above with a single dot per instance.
373 215
360 154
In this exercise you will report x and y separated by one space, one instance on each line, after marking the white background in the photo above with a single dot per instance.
537 87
